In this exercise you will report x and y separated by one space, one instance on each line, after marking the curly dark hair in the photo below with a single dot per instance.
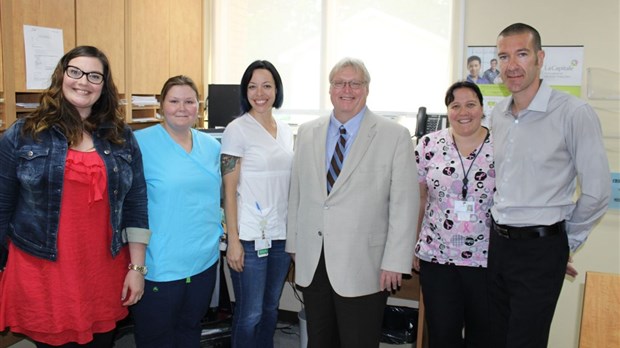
55 110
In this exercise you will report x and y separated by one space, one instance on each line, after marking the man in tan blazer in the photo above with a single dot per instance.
351 245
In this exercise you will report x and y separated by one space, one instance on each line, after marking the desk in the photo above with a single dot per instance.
600 319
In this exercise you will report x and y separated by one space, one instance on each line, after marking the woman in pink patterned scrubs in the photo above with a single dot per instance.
457 181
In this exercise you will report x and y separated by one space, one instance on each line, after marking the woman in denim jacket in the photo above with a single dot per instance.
72 196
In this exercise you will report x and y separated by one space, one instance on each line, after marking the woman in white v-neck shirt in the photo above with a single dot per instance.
257 155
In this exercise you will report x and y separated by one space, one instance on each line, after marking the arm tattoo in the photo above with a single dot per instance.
228 163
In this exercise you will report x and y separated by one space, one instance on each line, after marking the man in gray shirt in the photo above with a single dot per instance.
546 142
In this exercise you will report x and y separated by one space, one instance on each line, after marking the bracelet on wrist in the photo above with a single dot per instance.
140 269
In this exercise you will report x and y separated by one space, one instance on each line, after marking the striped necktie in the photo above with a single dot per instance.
335 165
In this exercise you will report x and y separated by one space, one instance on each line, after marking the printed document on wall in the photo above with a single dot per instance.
44 48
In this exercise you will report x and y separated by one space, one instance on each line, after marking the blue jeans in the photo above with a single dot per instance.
257 295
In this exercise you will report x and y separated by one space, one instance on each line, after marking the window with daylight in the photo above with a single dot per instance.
405 44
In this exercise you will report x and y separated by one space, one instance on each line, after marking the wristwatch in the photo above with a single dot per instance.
141 269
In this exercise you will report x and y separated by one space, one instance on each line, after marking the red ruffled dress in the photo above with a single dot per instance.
79 294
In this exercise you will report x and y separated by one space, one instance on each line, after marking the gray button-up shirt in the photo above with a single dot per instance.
540 156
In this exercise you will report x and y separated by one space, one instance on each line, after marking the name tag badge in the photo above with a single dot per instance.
261 244
262 252
464 210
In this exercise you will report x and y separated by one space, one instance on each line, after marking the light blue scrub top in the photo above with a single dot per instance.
183 203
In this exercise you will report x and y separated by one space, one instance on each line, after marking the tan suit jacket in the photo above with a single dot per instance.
367 223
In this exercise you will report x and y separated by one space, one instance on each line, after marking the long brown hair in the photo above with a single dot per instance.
55 110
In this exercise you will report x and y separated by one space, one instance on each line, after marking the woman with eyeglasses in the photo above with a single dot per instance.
73 219
457 181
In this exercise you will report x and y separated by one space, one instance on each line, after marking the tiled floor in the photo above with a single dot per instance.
287 336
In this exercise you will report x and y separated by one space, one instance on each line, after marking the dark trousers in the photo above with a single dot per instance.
334 321
100 340
169 314
455 297
525 280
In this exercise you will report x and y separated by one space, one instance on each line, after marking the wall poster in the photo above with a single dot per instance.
562 70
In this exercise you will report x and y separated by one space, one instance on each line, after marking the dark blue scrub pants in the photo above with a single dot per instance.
169 314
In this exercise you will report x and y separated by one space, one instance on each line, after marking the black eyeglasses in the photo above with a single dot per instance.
76 73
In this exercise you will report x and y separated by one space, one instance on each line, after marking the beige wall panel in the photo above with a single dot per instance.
186 47
101 23
149 52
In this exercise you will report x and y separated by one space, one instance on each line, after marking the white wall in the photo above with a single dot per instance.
594 24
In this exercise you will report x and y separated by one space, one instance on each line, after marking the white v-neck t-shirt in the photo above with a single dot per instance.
262 191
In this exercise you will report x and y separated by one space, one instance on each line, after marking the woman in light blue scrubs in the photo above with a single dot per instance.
182 171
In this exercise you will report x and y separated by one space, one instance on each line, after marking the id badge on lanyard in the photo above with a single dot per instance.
465 210
262 245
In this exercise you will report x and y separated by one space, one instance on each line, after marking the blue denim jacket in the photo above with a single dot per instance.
31 182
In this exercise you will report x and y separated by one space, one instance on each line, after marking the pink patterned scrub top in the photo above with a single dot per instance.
454 230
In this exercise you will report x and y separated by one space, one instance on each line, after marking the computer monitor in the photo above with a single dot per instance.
223 104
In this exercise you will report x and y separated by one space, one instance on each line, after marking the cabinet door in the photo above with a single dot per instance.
186 47
7 95
149 52
58 14
1 71
3 119
101 23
